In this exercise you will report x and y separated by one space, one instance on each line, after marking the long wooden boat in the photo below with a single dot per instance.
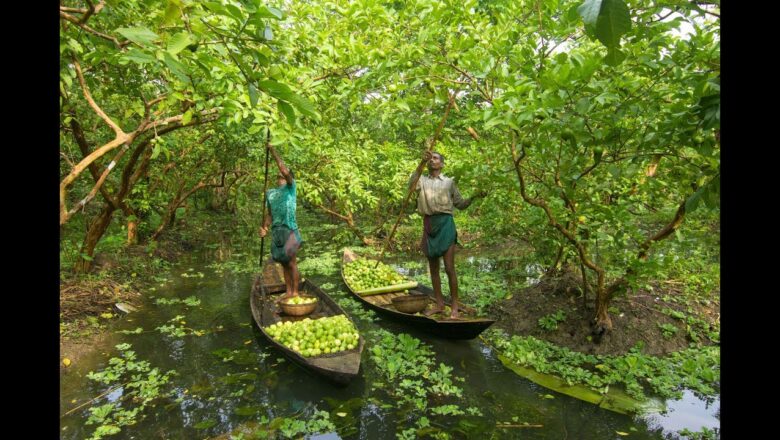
339 367
464 328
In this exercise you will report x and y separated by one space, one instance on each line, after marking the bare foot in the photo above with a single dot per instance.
434 311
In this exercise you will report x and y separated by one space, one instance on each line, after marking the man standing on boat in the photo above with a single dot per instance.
437 196
285 237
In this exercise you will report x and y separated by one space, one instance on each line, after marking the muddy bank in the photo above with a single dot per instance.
637 317
88 302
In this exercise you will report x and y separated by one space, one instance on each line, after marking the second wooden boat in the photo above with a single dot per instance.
465 328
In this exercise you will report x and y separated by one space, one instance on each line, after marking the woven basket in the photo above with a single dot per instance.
411 303
300 309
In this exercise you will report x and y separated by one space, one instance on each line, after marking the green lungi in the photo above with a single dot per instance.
438 234
284 243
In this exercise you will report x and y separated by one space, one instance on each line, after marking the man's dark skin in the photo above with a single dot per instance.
291 267
435 165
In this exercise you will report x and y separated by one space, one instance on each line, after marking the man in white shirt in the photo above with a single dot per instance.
437 196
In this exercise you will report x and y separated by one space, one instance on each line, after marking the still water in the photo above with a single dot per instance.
213 396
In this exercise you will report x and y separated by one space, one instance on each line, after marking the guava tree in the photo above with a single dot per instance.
599 116
133 72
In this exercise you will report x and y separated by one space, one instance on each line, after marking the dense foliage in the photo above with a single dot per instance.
595 125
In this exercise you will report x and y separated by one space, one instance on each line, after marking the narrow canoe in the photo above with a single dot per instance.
339 367
466 328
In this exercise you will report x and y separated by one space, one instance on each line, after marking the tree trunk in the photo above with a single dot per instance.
553 269
219 198
96 230
603 323
170 215
132 232
178 200
585 287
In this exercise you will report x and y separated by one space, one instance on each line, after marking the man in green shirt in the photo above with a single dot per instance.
437 196
285 237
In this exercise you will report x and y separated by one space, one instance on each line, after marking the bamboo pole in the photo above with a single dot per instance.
265 188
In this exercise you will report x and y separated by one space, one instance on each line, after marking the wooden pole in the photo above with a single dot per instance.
265 187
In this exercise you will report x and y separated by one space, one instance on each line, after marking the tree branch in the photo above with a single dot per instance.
581 250
78 23
81 141
471 78
98 185
667 230
114 126
92 10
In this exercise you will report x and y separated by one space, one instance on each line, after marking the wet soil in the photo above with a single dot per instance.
635 317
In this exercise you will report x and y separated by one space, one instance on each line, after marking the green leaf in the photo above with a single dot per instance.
275 12
260 58
709 111
583 105
590 30
172 12
140 35
614 20
287 110
248 410
178 69
275 89
235 12
712 194
186 117
493 122
283 92
268 34
304 106
597 154
76 46
269 12
572 13
138 56
693 201
589 11
614 56
178 42
253 95
217 7
206 424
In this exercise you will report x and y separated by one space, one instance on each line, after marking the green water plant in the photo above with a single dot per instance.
704 434
138 384
176 328
324 264
418 381
190 301
696 368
